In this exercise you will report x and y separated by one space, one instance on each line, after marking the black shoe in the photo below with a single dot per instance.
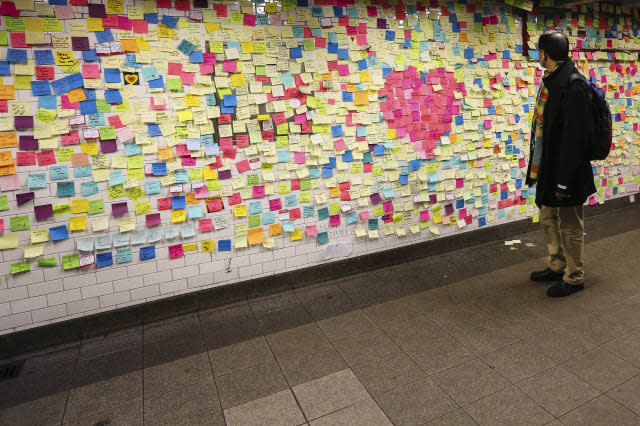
546 275
564 289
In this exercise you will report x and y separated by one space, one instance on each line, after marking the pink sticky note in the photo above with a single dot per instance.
153 219
176 251
209 58
201 192
312 230
9 183
249 20
1 225
424 215
243 166
258 191
364 215
187 78
487 124
229 66
339 145
140 26
387 206
300 157
334 220
205 225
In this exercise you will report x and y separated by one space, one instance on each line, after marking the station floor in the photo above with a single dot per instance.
460 338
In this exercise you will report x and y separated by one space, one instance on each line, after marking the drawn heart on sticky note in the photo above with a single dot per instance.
131 78
420 106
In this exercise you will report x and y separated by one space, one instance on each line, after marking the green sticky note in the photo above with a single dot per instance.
254 221
61 209
70 262
253 180
305 184
102 105
14 25
174 85
52 25
96 206
4 202
48 261
107 132
4 40
19 267
20 223
261 70
64 154
309 44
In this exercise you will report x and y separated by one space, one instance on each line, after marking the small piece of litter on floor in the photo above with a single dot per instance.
530 245
513 248
512 242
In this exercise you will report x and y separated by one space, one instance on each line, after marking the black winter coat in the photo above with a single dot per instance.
565 166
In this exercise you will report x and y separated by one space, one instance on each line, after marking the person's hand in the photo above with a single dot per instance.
562 195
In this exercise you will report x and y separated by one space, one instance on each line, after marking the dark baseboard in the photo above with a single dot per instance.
75 330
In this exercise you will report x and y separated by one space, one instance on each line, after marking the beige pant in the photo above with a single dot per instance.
564 231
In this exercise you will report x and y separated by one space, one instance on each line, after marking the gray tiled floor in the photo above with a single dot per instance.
459 338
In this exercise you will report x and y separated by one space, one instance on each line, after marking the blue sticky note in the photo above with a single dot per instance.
132 149
196 57
195 212
104 259
158 83
154 130
343 54
268 218
89 188
43 57
37 180
48 102
88 107
352 217
288 226
104 36
287 79
229 100
151 18
347 156
323 213
186 47
58 233
210 99
347 96
415 164
332 47
308 211
468 53
60 86
159 169
5 68
181 176
327 172
336 131
124 255
179 202
152 187
90 55
75 81
16 55
116 177
147 253
66 189
283 156
362 65
295 52
113 96
224 245
90 94
150 73
58 173
112 75
227 110
390 35
482 221
169 21
378 149
338 12
255 207
130 61
323 237
82 171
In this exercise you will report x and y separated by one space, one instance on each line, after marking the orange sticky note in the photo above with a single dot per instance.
361 98
165 153
7 91
129 45
256 236
275 229
8 139
79 160
76 95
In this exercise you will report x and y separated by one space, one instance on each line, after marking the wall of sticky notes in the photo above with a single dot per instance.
151 148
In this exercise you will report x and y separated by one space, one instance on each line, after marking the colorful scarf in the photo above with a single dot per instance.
536 128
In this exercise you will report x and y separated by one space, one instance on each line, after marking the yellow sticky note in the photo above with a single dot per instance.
8 241
80 206
178 216
256 236
127 224
240 210
190 247
207 246
64 58
77 223
33 250
39 235
143 207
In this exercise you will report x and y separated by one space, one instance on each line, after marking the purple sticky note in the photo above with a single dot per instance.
108 146
375 198
23 122
43 212
382 23
80 43
448 209
224 174
23 198
28 143
153 219
97 11
118 209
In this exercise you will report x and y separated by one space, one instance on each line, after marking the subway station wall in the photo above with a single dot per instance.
154 148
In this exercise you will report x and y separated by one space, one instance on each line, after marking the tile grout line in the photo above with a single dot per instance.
295 397
66 402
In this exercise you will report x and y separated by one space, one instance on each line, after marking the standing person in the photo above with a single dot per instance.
559 165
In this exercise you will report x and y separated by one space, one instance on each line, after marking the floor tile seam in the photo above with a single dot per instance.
215 383
594 398
611 353
351 405
446 414
519 390
634 411
599 393
66 402
290 388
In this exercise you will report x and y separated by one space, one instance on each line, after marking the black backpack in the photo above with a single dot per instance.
600 120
